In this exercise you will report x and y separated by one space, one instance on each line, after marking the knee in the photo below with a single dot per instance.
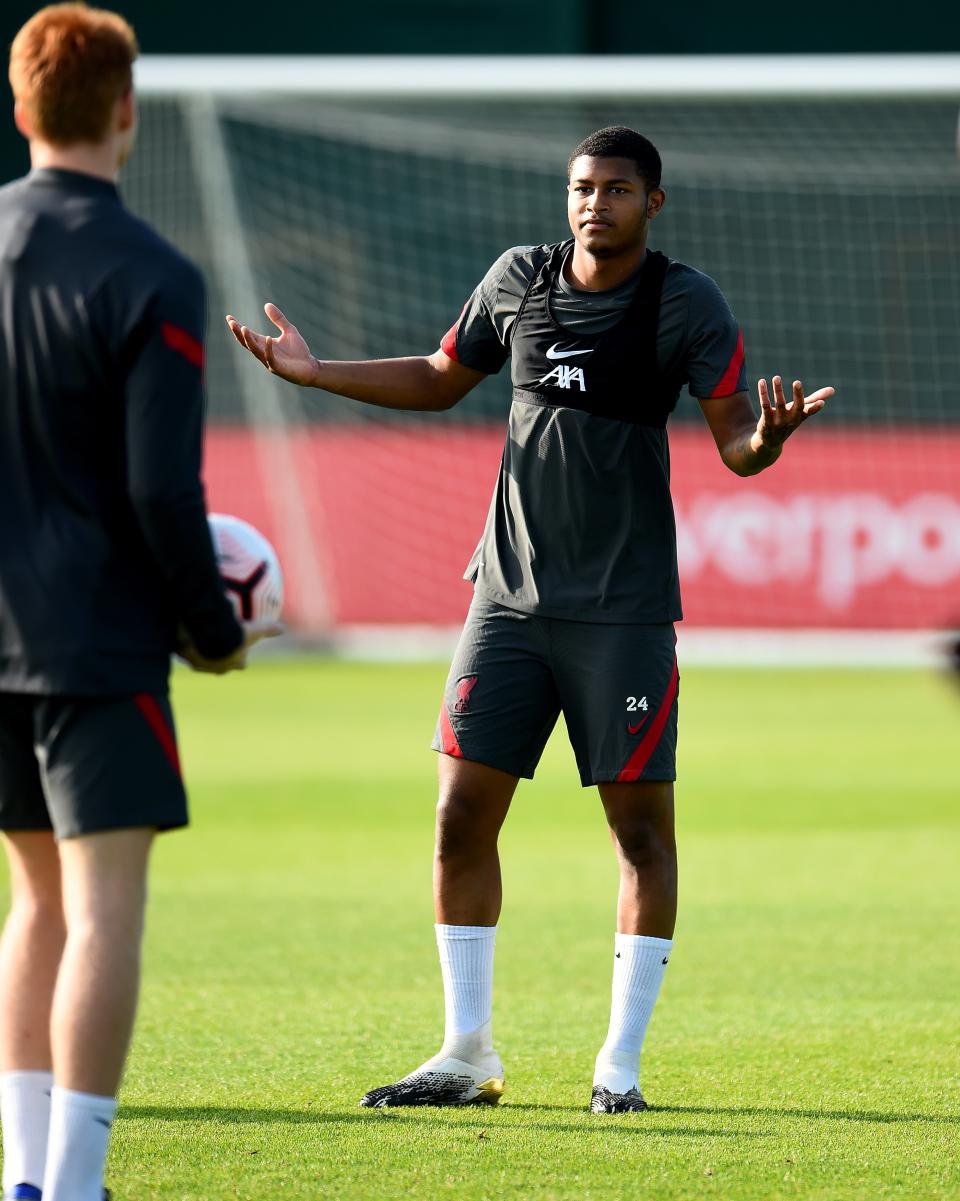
645 844
107 912
40 909
460 835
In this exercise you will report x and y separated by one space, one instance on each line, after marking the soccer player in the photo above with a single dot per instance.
575 577
104 555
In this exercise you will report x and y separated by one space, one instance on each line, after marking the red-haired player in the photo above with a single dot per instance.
104 552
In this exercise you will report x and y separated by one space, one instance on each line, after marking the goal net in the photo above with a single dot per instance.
368 197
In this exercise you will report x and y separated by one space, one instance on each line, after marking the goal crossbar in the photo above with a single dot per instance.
653 76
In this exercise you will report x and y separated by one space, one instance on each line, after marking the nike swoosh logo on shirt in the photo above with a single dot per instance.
637 728
553 353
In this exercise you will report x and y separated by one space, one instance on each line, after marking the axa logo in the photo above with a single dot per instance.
564 375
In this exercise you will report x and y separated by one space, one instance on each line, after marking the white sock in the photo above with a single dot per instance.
25 1116
466 963
77 1148
638 967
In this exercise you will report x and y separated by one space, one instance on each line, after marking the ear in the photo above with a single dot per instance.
126 111
655 202
21 122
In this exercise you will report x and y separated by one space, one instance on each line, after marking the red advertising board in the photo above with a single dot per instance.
851 529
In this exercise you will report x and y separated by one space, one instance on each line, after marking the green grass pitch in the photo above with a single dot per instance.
806 1044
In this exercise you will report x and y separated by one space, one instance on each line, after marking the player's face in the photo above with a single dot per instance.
608 205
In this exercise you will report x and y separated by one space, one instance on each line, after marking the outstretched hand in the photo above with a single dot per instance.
778 419
287 356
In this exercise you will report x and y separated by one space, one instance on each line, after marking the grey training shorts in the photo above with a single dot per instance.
513 673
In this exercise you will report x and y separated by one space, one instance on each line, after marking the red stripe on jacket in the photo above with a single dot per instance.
183 343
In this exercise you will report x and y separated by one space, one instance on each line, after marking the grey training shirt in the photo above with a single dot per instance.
581 523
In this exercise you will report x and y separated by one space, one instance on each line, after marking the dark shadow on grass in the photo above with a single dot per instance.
237 1115
756 1111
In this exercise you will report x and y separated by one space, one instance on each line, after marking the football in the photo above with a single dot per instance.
249 568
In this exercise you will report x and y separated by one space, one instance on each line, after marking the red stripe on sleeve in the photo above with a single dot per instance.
450 746
728 383
148 706
183 343
449 342
648 744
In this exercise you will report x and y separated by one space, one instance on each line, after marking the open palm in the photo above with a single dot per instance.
287 356
779 417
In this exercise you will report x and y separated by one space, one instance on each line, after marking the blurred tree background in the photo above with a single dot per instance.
518 27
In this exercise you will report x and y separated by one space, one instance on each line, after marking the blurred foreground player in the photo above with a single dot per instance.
104 551
575 577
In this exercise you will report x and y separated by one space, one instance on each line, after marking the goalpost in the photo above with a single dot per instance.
367 196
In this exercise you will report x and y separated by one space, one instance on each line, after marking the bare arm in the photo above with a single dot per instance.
748 446
425 382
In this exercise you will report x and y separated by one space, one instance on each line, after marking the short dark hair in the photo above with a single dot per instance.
617 141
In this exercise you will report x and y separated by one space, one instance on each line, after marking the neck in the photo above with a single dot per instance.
99 160
593 274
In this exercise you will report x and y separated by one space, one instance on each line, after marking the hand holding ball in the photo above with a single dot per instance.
253 581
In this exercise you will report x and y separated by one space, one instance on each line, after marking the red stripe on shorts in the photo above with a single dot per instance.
448 739
157 722
648 744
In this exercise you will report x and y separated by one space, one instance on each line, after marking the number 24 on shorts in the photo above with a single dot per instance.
633 704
